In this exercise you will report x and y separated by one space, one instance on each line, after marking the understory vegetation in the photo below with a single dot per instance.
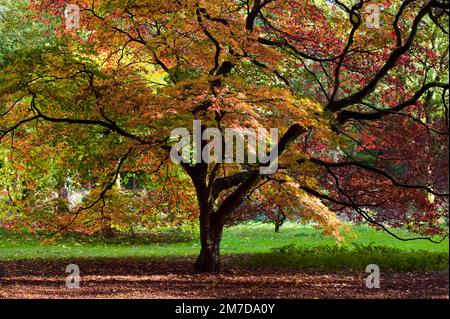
297 247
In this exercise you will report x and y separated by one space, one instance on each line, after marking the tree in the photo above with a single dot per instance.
271 202
342 92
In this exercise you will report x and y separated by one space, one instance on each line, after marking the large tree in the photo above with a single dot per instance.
358 89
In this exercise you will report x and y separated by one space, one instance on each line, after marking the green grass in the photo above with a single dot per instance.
254 245
341 259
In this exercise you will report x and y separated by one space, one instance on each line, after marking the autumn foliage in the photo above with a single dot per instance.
362 112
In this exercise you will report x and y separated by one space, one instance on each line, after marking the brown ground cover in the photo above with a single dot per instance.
131 278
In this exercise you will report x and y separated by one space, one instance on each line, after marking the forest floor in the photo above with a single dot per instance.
298 262
173 278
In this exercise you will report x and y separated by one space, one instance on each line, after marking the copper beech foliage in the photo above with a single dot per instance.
362 110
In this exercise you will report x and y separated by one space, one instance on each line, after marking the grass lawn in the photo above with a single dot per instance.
296 246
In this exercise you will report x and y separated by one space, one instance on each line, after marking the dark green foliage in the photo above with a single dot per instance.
356 258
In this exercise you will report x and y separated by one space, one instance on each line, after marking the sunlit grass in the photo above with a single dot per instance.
242 239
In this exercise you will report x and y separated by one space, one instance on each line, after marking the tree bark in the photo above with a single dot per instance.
211 224
210 237
279 220
277 227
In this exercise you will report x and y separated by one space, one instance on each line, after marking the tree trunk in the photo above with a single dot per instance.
210 237
208 189
209 258
277 227
279 220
